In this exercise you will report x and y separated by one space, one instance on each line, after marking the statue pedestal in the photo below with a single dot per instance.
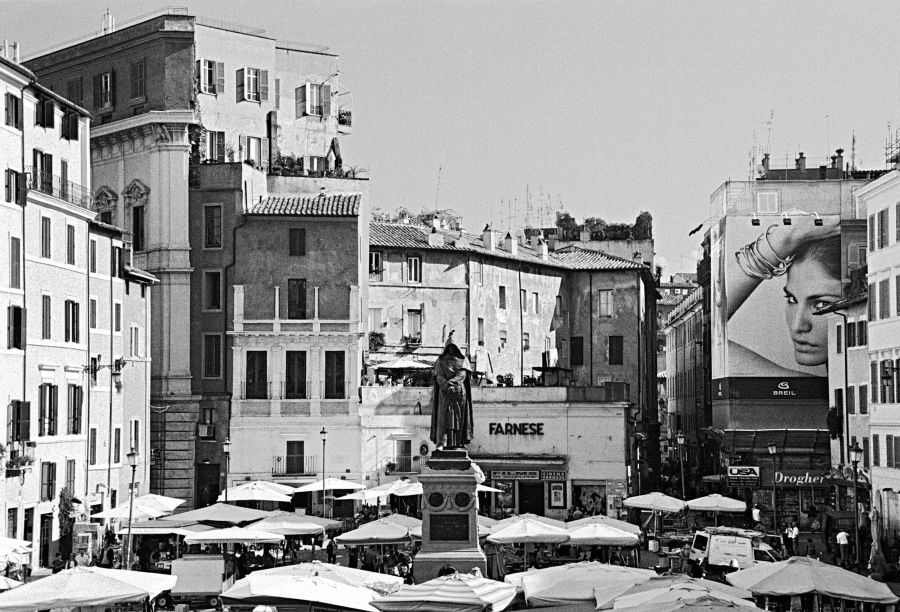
449 521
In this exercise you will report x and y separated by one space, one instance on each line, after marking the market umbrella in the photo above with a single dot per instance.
254 491
716 503
331 484
705 603
574 582
163 528
381 583
375 493
604 520
288 524
278 590
328 524
387 530
8 583
541 519
802 575
455 593
415 488
607 595
234 535
163 502
526 529
656 501
404 363
139 511
219 513
598 534
86 586
675 593
13 550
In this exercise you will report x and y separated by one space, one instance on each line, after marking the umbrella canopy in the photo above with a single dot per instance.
598 534
259 588
704 603
387 530
288 524
485 521
604 520
716 503
138 511
541 519
676 593
655 501
574 582
527 530
415 488
163 502
381 583
457 593
801 575
163 528
8 583
388 488
86 586
220 513
404 363
327 523
606 596
331 484
255 491
234 535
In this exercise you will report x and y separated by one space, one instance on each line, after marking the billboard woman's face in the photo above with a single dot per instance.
809 287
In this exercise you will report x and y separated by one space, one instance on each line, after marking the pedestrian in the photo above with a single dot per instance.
787 541
810 548
843 540
82 558
331 549
370 559
794 538
58 564
353 557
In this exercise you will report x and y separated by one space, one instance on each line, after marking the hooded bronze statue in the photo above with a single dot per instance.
451 410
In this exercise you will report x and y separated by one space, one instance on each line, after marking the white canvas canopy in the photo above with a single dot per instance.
331 484
234 535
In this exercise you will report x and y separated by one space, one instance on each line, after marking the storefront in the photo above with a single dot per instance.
536 485
799 495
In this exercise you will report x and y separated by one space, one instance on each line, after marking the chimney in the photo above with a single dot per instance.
765 162
520 238
436 222
487 236
840 159
542 247
834 161
435 239
533 241
510 244
801 161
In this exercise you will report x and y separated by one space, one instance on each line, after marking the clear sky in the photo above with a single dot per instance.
609 107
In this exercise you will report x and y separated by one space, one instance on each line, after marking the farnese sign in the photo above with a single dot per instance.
516 429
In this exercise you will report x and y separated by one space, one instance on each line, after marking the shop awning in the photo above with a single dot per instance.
817 441
492 460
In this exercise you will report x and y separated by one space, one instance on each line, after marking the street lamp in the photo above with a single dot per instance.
679 437
226 448
324 435
856 454
132 461
772 450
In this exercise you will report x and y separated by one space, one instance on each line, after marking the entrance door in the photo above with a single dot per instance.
208 489
531 497
46 534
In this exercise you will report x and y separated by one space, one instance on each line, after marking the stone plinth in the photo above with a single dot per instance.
449 517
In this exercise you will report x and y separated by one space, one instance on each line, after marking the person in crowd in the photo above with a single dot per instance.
331 549
353 557
756 514
843 542
82 558
370 559
58 564
578 514
793 533
810 548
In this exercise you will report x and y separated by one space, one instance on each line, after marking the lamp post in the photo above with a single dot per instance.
132 461
324 434
855 454
679 437
772 450
226 448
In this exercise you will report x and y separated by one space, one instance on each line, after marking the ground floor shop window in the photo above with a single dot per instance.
590 499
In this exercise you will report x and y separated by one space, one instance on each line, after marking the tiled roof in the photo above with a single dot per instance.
670 300
586 259
321 205
405 236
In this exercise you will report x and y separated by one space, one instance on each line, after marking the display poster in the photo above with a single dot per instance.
557 495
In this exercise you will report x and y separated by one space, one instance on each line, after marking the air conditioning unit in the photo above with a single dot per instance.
206 430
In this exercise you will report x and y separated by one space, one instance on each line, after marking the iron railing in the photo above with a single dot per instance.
295 465
54 185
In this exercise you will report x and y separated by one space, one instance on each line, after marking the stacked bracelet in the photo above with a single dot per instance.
757 265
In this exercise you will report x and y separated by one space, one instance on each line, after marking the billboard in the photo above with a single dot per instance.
767 281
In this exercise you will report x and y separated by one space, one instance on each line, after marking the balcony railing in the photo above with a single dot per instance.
295 465
55 186
258 391
404 465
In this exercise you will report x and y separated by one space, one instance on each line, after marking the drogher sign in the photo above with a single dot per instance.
799 479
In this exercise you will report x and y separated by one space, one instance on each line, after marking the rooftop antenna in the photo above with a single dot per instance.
107 23
437 195
853 152
769 135
827 133
528 211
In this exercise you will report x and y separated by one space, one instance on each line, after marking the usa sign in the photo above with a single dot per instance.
743 475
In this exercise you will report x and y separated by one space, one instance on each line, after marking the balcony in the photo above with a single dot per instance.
345 121
404 465
55 186
295 465
257 391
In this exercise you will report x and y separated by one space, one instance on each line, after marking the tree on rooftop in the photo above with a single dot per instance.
643 226
567 225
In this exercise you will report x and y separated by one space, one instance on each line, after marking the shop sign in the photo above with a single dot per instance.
516 429
545 475
515 475
743 475
799 478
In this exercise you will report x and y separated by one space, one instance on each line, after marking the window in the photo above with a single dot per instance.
871 232
48 481
212 356
256 376
45 237
375 319
862 333
252 85
887 382
479 272
839 400
873 380
104 88
616 350
865 452
75 91
70 475
376 266
212 237
44 111
212 290
535 303
502 339
92 446
297 242
851 400
135 341
873 296
13 111
93 256
480 331
851 334
414 325
75 402
576 355
42 171
136 436
116 263
215 146
277 100
296 298
414 269
64 185
839 340
334 375
884 299
138 228
15 263
212 76
295 375
559 306
70 245
502 297
12 186
73 321
315 164
312 99
767 202
293 457
138 79
863 399
605 307
48 409
876 450
92 314
46 315
526 341
15 327
252 149
70 124
12 522
523 300
883 228
117 317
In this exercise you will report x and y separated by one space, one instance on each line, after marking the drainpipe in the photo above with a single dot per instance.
87 416
112 331
521 331
591 326
226 293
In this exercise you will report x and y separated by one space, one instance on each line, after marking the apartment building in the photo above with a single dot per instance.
62 272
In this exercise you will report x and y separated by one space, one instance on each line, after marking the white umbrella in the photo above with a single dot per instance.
716 503
219 513
8 583
381 583
598 534
604 520
681 592
526 529
415 488
289 525
258 588
163 502
331 484
608 595
328 524
254 491
387 530
404 363
139 512
456 593
656 501
234 535
389 488
573 582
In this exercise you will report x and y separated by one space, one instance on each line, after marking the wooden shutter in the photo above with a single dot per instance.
242 147
10 326
112 87
300 101
263 85
278 96
220 147
264 154
24 421
42 409
326 100
72 125
199 74
96 89
9 120
239 85
220 77
49 113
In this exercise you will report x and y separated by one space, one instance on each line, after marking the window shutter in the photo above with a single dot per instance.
220 147
264 154
49 113
326 100
24 419
308 98
239 85
300 101
277 93
48 170
96 86
112 87
10 326
242 147
199 74
220 77
9 120
73 125
263 85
